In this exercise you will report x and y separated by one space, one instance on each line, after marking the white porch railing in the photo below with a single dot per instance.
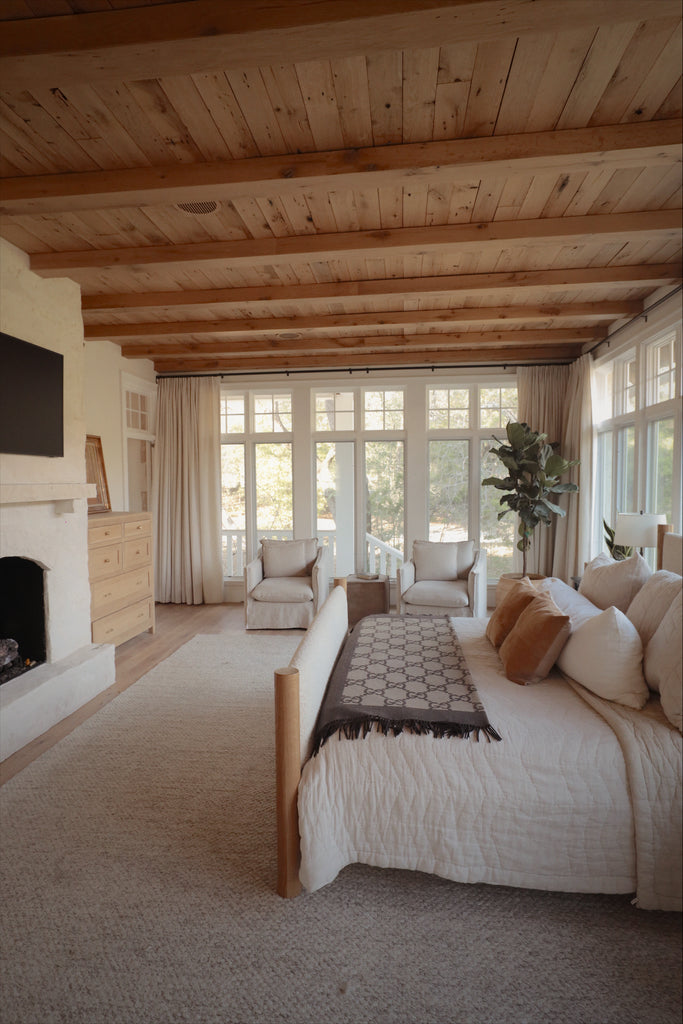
381 557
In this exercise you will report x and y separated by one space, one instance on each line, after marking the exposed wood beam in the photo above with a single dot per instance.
569 279
361 361
451 340
398 318
664 224
652 143
184 38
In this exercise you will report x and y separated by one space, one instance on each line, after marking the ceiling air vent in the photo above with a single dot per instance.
200 208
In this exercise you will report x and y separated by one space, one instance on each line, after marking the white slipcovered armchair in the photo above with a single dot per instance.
285 584
443 578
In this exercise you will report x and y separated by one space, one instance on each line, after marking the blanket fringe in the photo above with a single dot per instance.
355 728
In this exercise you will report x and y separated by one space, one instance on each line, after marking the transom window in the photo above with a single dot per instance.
449 408
334 410
272 413
383 410
661 370
232 414
497 406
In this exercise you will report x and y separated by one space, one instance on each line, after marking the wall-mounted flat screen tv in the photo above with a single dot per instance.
31 399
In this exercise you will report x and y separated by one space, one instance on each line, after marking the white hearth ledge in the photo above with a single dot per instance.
35 701
28 494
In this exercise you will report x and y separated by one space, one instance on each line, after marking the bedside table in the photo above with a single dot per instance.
365 597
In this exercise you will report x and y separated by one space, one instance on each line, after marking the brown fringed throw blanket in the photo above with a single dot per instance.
402 672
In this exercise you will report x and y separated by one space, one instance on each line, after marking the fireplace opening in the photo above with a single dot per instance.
22 617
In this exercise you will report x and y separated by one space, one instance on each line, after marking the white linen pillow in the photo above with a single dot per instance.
606 656
607 583
663 658
652 602
289 557
447 560
575 605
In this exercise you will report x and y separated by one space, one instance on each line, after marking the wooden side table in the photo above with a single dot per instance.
365 597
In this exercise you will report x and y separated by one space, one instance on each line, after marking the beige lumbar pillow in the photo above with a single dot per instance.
605 655
532 646
504 616
608 583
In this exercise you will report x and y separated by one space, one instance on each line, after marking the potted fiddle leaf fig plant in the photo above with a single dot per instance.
533 470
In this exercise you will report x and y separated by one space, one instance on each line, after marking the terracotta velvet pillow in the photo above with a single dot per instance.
532 646
520 594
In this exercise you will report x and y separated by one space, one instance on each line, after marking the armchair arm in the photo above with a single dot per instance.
477 583
253 574
405 577
320 578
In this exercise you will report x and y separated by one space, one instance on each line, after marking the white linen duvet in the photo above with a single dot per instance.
549 807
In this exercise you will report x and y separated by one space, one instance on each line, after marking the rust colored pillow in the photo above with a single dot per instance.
533 645
519 594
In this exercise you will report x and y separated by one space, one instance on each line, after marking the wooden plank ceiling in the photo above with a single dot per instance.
285 185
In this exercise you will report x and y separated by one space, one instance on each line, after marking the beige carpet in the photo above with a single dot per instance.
138 877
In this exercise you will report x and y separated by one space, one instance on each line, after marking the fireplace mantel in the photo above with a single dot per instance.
28 494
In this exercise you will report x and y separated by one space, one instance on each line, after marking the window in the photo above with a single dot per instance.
335 505
449 490
383 410
336 461
637 413
334 410
256 473
449 408
497 406
384 504
272 413
661 370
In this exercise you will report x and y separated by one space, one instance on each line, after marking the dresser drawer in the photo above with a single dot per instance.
110 595
138 528
125 624
104 561
137 552
104 534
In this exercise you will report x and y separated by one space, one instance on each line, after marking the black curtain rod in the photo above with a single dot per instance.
446 366
359 369
639 316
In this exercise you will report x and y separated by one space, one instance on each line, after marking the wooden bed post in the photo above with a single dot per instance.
662 528
288 772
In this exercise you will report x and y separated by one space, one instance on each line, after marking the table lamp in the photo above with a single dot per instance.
638 529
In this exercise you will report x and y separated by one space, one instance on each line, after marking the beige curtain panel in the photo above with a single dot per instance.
556 400
187 496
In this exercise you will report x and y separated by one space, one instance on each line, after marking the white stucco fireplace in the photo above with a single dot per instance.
47 523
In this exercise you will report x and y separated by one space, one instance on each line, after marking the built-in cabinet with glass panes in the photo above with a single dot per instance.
365 467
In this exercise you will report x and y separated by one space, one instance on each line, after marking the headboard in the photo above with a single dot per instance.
670 552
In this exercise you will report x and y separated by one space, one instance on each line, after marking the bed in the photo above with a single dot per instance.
581 794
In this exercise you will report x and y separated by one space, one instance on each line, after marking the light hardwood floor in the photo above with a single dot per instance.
175 625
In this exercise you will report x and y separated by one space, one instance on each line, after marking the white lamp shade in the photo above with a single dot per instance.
637 529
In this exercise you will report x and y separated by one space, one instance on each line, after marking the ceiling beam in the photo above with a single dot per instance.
367 360
652 143
570 278
186 38
398 318
451 340
663 224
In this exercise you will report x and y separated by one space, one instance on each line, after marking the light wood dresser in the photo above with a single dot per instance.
121 575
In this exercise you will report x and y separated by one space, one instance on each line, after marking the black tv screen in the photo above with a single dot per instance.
31 399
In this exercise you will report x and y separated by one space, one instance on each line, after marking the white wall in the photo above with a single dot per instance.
104 407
